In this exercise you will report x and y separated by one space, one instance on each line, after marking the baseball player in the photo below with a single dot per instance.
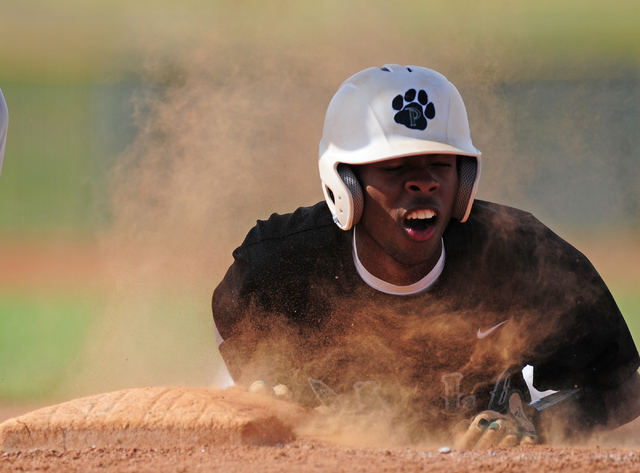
402 293
4 122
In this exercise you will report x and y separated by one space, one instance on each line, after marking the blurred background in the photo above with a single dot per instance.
146 138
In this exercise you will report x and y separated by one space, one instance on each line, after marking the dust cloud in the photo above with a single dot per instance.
229 118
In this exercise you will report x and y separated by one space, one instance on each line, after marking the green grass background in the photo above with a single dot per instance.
67 68
40 334
46 181
629 304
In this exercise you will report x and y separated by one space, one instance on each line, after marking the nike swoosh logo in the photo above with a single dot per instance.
486 333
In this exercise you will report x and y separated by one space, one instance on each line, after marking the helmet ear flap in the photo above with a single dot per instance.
351 181
467 170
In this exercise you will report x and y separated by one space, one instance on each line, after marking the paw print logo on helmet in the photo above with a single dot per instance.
413 115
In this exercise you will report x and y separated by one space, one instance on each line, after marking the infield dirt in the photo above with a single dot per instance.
310 456
196 429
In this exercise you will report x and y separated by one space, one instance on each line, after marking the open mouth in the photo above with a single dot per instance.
420 224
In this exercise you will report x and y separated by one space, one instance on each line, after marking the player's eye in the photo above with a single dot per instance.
443 164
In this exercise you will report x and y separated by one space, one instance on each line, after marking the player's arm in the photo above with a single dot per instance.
577 413
596 364
571 413
621 404
591 353
246 325
230 317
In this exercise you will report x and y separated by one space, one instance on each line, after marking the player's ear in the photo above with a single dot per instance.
467 167
353 185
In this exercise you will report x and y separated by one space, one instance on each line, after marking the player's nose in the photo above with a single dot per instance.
421 181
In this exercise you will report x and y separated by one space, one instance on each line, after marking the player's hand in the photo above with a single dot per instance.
492 429
279 391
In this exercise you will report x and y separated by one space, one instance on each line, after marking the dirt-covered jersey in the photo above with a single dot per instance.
293 310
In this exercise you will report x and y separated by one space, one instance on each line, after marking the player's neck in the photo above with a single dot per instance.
384 266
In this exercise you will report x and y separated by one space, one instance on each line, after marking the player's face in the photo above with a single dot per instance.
408 202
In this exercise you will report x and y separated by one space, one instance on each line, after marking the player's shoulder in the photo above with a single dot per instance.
488 219
505 230
501 220
304 224
490 213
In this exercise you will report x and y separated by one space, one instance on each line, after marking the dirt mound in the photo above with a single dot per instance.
154 418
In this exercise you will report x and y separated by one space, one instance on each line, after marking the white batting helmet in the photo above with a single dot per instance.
389 112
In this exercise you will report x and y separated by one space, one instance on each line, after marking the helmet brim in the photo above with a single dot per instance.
398 149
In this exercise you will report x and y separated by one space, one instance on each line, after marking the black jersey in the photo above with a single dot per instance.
293 310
